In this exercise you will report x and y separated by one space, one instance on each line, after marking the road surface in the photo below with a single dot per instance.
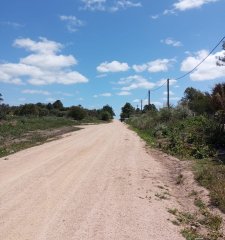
97 183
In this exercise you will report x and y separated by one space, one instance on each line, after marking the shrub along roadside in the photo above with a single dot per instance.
198 138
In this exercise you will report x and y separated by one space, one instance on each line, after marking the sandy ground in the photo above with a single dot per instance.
97 183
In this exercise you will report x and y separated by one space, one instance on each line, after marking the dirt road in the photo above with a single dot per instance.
97 183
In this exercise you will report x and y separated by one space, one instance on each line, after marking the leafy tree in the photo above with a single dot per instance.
77 113
109 109
58 105
218 96
150 107
1 98
197 101
49 106
127 111
4 110
106 116
28 109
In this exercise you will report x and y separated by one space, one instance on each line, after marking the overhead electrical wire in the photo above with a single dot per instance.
191 71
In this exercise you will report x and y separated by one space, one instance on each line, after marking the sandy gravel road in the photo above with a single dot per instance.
97 183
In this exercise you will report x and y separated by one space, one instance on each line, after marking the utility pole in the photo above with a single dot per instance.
168 93
141 104
149 97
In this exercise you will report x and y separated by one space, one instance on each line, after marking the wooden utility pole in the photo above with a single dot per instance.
168 93
149 97
141 104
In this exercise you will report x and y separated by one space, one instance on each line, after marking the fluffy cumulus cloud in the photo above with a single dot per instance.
108 5
158 65
113 66
44 65
183 5
135 82
172 42
72 22
208 70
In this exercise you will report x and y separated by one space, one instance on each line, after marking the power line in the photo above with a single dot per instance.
155 89
203 60
188 73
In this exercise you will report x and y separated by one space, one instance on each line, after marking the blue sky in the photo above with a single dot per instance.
97 52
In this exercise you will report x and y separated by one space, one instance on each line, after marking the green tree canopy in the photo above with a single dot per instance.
77 113
150 107
1 98
218 96
197 101
127 111
58 105
109 109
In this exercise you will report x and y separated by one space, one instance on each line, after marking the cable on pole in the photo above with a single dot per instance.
191 71
203 60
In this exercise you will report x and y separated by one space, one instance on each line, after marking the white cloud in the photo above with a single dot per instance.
102 95
31 91
169 11
12 24
208 70
113 66
135 82
101 75
72 22
94 5
104 5
140 68
44 66
136 100
45 61
183 5
124 4
44 46
154 17
172 42
158 65
123 93
105 94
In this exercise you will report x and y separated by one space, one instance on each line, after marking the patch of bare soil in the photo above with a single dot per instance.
193 198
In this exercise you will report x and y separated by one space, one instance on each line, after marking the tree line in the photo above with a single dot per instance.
57 109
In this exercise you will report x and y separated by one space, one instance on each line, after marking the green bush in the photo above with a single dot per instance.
77 113
106 116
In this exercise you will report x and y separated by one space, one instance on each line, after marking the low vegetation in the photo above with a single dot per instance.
31 124
201 224
192 130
